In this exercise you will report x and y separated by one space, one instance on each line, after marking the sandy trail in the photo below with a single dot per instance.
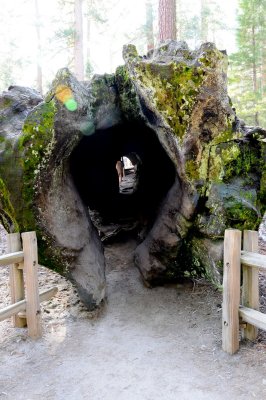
147 344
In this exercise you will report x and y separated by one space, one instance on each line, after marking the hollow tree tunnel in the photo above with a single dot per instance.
93 168
50 183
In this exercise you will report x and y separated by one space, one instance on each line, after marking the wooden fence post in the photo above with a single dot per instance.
231 290
16 278
33 310
250 290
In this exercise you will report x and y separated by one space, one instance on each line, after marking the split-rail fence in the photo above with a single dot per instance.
23 276
241 277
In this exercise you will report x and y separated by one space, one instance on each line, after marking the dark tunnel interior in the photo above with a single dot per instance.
93 168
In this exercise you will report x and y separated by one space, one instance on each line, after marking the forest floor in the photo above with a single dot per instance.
146 344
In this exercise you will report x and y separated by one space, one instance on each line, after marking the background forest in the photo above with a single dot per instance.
41 36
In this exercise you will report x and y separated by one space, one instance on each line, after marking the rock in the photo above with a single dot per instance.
200 170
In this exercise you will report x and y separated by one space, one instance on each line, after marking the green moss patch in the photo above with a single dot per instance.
128 99
7 213
34 143
173 89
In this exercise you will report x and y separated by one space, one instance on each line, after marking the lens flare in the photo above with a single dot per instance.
64 94
71 104
87 128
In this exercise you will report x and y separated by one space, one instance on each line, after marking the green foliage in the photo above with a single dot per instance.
7 213
10 68
247 160
206 25
10 170
65 35
190 263
247 66
88 70
242 217
262 193
251 31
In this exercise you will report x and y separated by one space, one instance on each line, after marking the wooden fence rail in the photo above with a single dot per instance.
23 277
246 308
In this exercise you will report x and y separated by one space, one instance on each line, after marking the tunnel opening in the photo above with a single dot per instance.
128 181
132 202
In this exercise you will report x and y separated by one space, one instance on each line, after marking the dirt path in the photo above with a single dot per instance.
158 344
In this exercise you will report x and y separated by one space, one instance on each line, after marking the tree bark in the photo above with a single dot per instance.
263 74
254 64
167 20
203 21
78 43
179 32
88 42
149 25
257 121
254 71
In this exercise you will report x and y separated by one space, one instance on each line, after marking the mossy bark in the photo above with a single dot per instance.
179 94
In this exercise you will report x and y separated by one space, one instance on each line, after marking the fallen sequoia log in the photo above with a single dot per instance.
200 170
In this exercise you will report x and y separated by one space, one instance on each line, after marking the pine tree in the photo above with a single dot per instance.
248 63
74 34
207 25
39 46
167 20
13 60
149 25
204 20
78 40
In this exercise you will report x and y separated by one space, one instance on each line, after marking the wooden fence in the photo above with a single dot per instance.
242 313
24 278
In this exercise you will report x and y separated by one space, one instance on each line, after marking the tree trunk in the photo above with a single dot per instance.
70 177
39 46
254 72
204 21
179 34
149 25
167 20
88 67
263 74
257 122
78 43
254 64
